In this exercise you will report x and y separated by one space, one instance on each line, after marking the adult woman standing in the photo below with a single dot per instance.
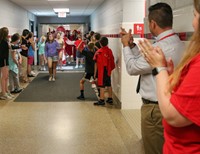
4 55
51 53
178 93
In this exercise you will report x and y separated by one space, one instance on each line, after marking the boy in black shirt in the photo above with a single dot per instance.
88 52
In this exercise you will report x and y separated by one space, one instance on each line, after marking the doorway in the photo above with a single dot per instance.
31 26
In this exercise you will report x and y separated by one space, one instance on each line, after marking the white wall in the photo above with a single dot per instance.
113 14
133 12
175 4
183 19
182 11
14 17
108 19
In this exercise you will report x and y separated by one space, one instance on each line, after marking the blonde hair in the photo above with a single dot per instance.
192 50
42 38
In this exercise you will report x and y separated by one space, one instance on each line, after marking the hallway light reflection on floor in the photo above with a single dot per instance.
63 129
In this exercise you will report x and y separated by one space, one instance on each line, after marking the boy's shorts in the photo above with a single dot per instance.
106 79
88 76
30 60
78 54
3 62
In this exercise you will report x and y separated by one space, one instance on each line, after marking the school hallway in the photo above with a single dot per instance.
41 123
76 127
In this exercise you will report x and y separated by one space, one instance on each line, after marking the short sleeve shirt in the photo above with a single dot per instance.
186 99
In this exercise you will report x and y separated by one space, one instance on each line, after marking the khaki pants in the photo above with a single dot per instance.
152 129
24 68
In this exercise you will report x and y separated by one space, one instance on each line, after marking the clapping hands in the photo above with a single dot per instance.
155 56
126 37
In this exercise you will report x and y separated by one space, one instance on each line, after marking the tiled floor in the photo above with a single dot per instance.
65 128
133 117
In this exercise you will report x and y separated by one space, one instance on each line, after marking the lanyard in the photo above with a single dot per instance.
166 36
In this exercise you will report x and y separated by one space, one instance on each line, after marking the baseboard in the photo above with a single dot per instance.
116 101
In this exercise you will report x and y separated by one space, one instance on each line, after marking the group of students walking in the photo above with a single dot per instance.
99 63
99 60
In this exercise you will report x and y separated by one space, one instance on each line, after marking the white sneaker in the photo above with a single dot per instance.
93 86
5 97
76 66
10 95
61 69
33 73
96 90
91 79
50 78
53 79
81 66
44 69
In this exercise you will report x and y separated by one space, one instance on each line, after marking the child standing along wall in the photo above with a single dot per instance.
14 62
31 51
104 66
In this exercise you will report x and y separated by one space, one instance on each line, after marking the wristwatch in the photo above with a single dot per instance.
157 70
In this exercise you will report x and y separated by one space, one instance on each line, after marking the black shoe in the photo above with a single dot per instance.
99 103
18 90
81 97
31 76
109 101
12 92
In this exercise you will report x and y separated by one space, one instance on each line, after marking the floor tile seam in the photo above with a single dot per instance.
118 131
132 123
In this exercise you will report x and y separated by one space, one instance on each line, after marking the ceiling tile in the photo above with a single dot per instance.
44 7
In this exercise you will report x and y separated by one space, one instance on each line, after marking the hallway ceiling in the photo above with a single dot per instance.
45 7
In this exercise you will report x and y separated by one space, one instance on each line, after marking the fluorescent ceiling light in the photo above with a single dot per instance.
44 13
61 10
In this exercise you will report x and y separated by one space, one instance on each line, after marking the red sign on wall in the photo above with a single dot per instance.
138 28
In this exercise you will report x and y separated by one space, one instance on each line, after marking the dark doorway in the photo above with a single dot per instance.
31 26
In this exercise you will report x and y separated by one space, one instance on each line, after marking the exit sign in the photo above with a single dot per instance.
62 14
